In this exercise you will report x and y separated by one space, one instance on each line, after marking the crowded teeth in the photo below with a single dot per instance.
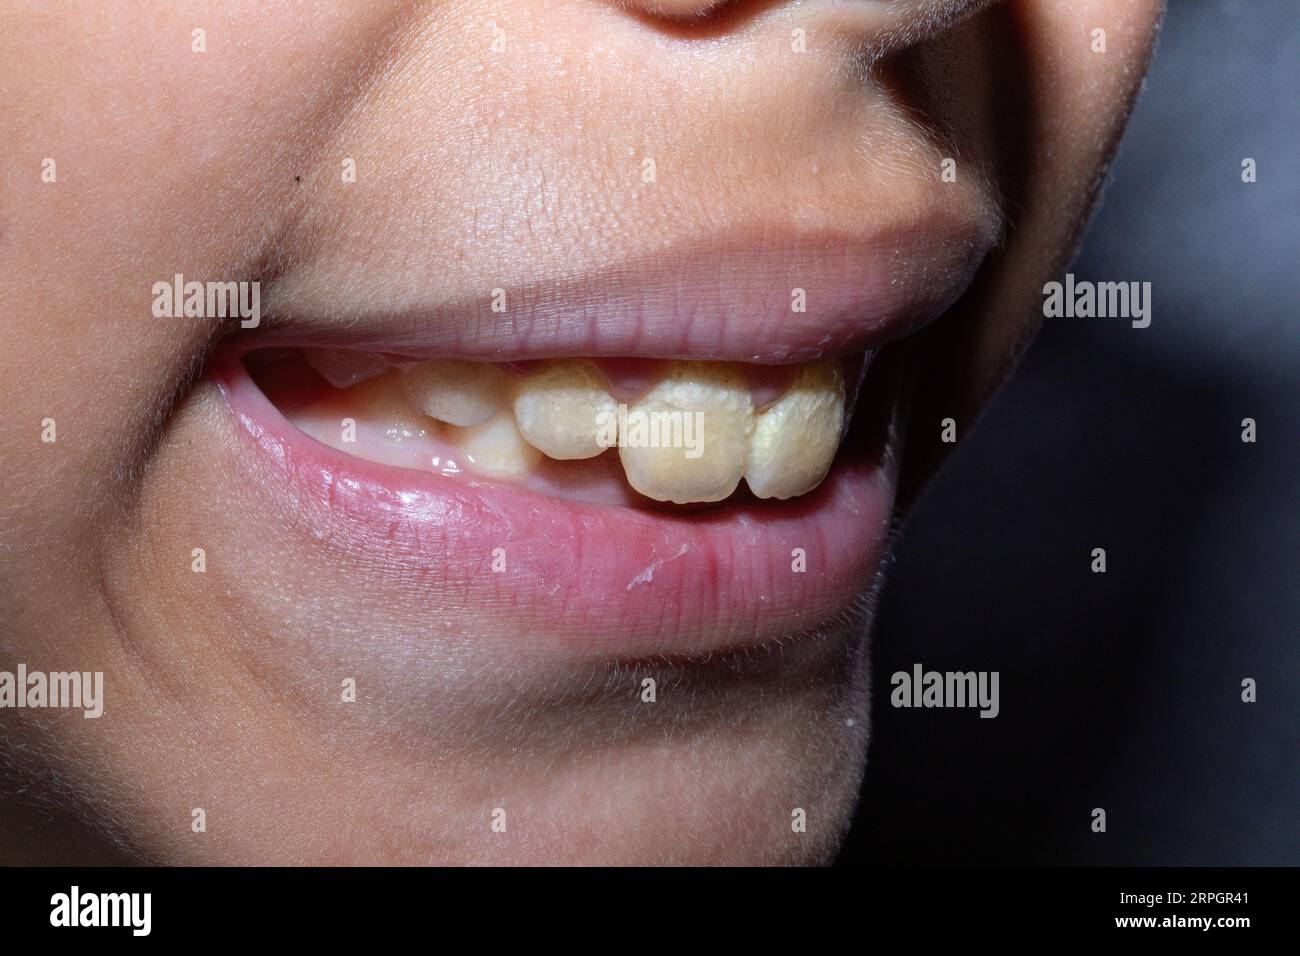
560 410
688 434
496 448
456 392
687 439
343 368
795 438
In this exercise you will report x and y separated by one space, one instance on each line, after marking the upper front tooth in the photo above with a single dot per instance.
700 418
560 410
456 392
795 439
343 368
496 449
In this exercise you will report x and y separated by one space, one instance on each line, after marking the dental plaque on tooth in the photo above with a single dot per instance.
690 432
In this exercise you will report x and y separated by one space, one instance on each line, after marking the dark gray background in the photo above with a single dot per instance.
1122 690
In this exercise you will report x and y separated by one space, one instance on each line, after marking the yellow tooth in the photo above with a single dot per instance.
495 448
456 392
560 410
795 439
380 401
703 413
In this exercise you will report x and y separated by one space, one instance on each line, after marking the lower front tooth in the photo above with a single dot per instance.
795 439
495 448
456 392
560 409
687 439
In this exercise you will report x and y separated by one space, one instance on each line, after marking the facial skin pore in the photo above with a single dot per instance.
495 146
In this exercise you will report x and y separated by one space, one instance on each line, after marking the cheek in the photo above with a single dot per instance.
1084 60
134 153
1060 107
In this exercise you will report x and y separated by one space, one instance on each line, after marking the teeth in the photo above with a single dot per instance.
380 402
691 436
559 410
700 417
497 449
343 368
795 439
459 393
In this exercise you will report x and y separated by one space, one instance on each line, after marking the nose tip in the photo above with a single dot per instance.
674 9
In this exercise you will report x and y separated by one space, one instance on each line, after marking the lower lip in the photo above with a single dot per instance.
592 579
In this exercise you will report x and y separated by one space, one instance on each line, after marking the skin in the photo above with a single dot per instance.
475 170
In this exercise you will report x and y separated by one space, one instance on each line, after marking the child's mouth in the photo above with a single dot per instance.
478 512
601 471
613 431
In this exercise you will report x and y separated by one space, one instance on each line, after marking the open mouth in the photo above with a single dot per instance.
669 506
651 461
636 433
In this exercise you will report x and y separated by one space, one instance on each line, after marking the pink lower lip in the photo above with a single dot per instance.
590 578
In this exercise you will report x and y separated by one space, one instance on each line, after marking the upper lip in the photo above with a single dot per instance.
732 298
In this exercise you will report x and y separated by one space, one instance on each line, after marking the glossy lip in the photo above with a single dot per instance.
727 298
594 579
